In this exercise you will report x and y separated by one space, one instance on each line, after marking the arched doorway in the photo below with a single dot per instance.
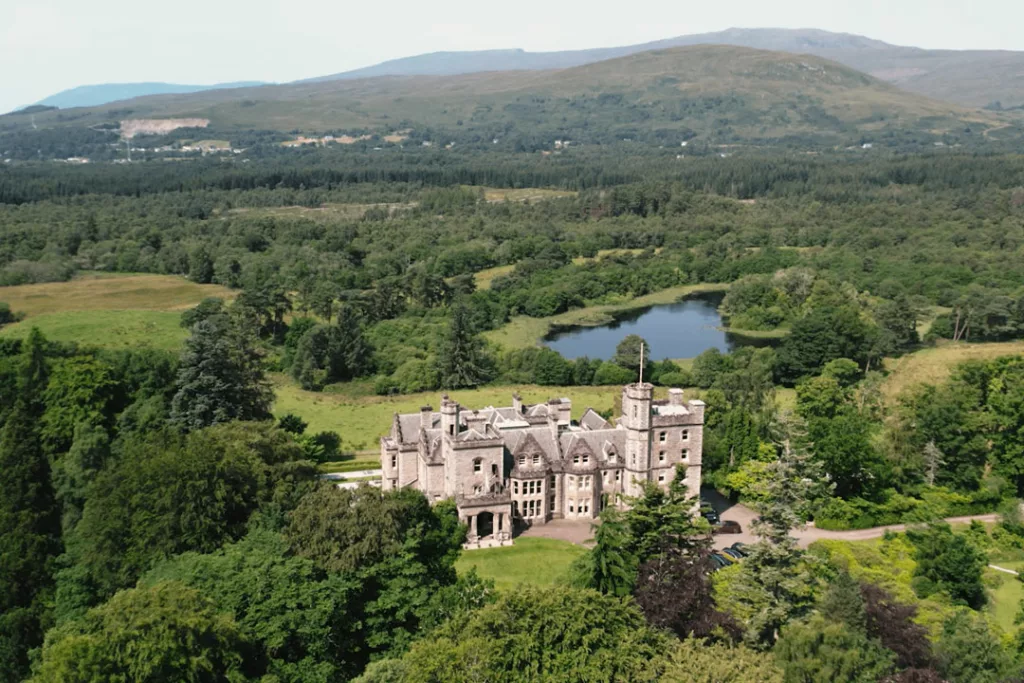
484 524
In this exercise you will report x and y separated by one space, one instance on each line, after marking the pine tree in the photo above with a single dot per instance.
29 520
461 361
774 585
220 378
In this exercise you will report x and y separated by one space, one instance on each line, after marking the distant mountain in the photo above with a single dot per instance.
717 94
97 95
971 77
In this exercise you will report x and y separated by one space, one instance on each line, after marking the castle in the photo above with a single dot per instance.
530 464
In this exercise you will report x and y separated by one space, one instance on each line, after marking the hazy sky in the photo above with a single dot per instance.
50 45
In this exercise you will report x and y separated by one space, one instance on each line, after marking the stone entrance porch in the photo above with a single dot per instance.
489 518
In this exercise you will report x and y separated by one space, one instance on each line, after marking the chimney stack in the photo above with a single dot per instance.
675 397
426 417
517 403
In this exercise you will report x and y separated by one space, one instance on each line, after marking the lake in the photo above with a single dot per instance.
679 330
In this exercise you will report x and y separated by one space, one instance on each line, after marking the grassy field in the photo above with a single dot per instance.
484 278
524 194
524 332
535 561
1006 592
110 310
934 365
110 291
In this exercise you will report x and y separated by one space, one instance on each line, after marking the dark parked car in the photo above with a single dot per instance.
741 548
728 527
712 516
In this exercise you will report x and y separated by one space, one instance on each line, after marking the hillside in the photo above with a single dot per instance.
969 77
96 95
718 94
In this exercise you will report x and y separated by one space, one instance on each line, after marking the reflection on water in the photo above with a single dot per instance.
680 330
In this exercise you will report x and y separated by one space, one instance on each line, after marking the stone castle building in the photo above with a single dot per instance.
530 464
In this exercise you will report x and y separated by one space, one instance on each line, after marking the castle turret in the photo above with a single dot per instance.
449 416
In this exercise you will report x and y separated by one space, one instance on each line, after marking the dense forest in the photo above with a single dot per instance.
158 523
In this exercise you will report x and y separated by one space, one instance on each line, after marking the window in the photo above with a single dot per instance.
522 461
663 437
576 459
635 411
477 489
685 435
554 483
494 470
571 481
661 477
661 456
515 508
394 461
451 430
536 458
570 507
515 487
611 456
618 475
586 459
477 465
686 453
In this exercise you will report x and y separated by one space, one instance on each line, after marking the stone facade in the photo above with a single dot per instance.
529 464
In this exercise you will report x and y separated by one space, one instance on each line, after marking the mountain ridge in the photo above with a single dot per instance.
970 77
104 93
719 94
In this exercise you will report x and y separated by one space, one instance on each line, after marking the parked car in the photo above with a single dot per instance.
728 527
719 561
742 548
731 555
712 516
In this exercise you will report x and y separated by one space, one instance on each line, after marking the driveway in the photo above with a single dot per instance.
806 535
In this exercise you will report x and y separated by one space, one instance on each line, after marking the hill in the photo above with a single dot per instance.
969 77
96 95
723 95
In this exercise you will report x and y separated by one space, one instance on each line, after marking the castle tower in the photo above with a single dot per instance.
449 416
636 418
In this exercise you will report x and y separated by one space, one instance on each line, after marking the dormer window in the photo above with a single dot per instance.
522 461
536 458
477 465
576 459
612 457
586 459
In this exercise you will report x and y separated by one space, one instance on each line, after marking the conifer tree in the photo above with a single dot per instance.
220 378
29 520
461 360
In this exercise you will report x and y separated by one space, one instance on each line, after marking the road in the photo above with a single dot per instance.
728 510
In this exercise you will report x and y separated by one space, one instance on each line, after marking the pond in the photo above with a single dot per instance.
680 330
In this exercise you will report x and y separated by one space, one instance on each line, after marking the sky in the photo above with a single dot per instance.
50 45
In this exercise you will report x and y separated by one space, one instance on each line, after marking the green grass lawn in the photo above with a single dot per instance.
934 365
109 329
534 561
524 332
1005 593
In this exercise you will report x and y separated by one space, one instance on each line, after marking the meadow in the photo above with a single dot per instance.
108 310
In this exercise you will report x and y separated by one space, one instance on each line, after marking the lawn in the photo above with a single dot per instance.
524 332
523 194
535 561
934 365
484 278
108 309
1006 592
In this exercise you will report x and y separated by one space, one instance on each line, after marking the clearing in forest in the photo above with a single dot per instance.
934 365
108 309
